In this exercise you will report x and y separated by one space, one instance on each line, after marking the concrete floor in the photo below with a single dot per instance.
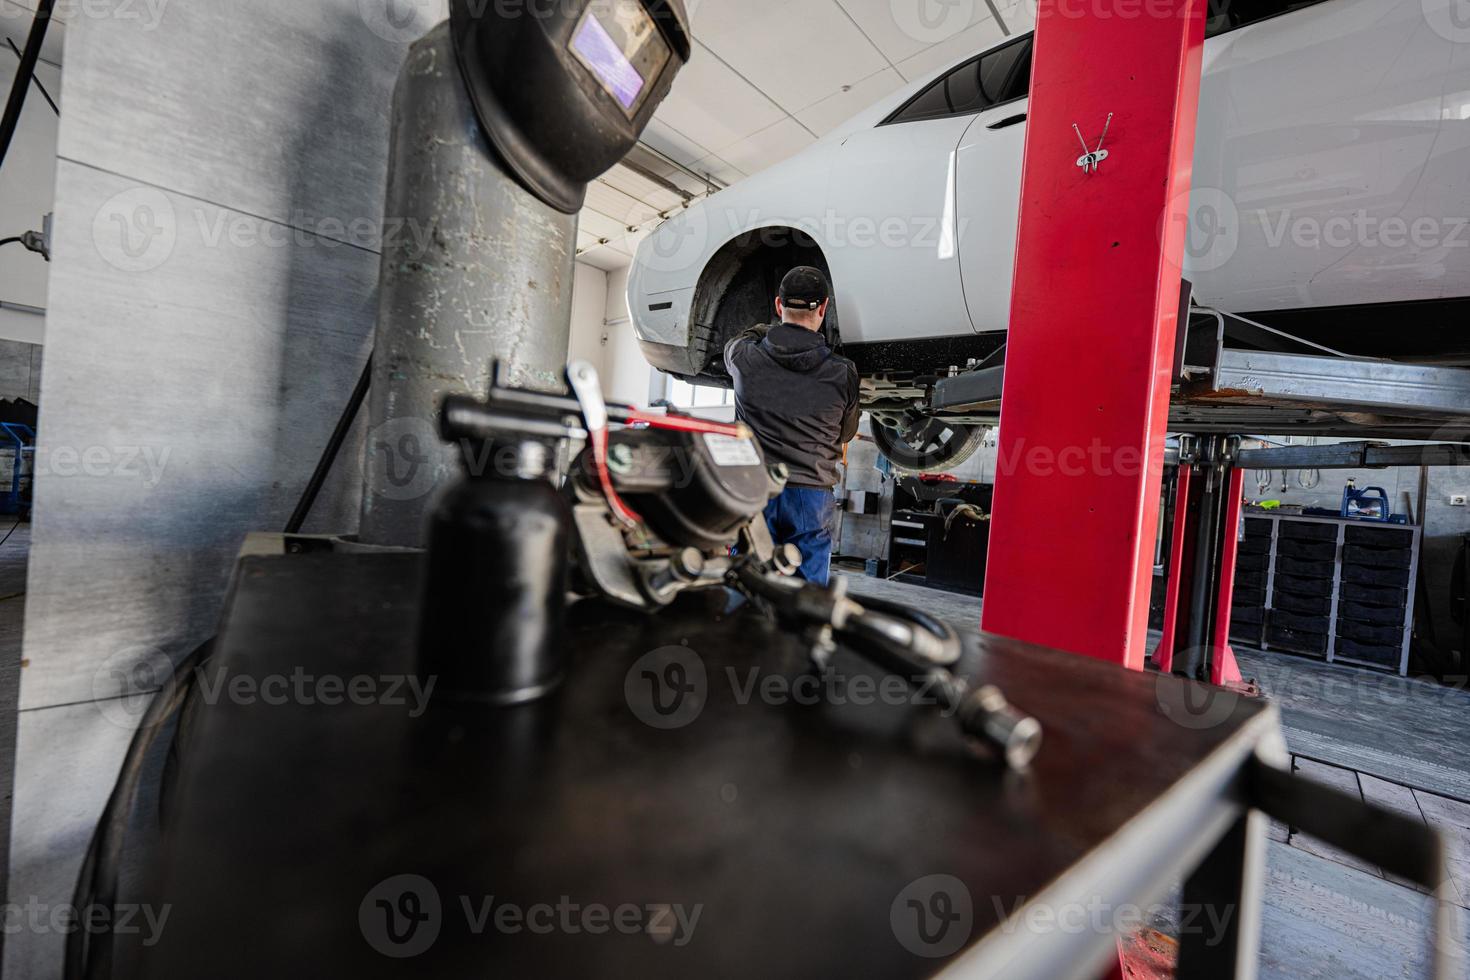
1326 914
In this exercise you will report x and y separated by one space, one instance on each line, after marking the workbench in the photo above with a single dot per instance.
807 832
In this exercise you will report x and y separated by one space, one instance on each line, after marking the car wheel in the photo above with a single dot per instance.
923 444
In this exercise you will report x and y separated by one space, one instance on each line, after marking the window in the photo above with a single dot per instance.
685 396
995 77
1229 15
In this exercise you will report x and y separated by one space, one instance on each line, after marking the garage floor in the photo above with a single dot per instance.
1329 915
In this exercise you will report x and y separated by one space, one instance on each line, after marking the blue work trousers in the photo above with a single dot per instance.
803 516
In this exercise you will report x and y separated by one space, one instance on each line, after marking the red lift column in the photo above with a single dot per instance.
1094 313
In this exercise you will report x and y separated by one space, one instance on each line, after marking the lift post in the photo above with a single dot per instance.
1094 317
1208 502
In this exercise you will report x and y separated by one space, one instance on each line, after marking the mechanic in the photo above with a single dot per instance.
801 401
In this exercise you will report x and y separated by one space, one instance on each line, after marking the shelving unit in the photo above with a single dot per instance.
1335 589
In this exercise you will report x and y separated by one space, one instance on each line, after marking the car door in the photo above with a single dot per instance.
988 175
889 232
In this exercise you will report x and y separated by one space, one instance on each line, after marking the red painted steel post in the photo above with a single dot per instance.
1179 566
1094 315
1223 669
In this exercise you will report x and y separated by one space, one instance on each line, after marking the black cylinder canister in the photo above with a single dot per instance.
495 591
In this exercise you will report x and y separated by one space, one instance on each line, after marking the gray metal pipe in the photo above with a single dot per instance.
474 269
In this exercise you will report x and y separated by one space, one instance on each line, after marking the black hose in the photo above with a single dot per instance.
18 89
35 78
89 956
329 455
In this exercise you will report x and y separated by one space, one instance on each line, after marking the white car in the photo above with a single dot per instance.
1331 199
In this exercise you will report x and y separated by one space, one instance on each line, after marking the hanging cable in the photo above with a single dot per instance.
37 79
329 454
22 83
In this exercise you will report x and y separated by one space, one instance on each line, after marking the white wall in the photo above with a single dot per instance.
589 299
27 190
627 373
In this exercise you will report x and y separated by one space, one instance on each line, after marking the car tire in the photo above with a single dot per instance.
924 444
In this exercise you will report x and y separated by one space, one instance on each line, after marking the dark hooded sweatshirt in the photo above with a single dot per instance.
799 398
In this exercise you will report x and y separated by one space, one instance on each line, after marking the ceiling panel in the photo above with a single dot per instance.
719 168
605 258
971 41
797 53
835 110
714 106
769 147
16 17
904 28
1018 15
672 143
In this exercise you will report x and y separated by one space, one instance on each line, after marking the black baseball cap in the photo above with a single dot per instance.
804 288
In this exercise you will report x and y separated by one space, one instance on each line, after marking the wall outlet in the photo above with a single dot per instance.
1459 500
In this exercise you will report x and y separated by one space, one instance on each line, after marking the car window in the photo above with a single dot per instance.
1001 78
1229 15
998 76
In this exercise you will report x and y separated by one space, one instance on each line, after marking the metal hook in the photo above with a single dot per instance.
1092 159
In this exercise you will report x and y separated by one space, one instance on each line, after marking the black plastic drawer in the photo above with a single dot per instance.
1252 563
1307 550
1255 546
1312 644
1374 615
1304 605
1250 580
1387 656
1365 633
1248 597
1361 554
1385 577
1247 614
1255 527
1315 585
1378 537
1308 531
1355 593
1305 569
1299 622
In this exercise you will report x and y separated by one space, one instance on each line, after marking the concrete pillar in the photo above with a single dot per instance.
474 268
